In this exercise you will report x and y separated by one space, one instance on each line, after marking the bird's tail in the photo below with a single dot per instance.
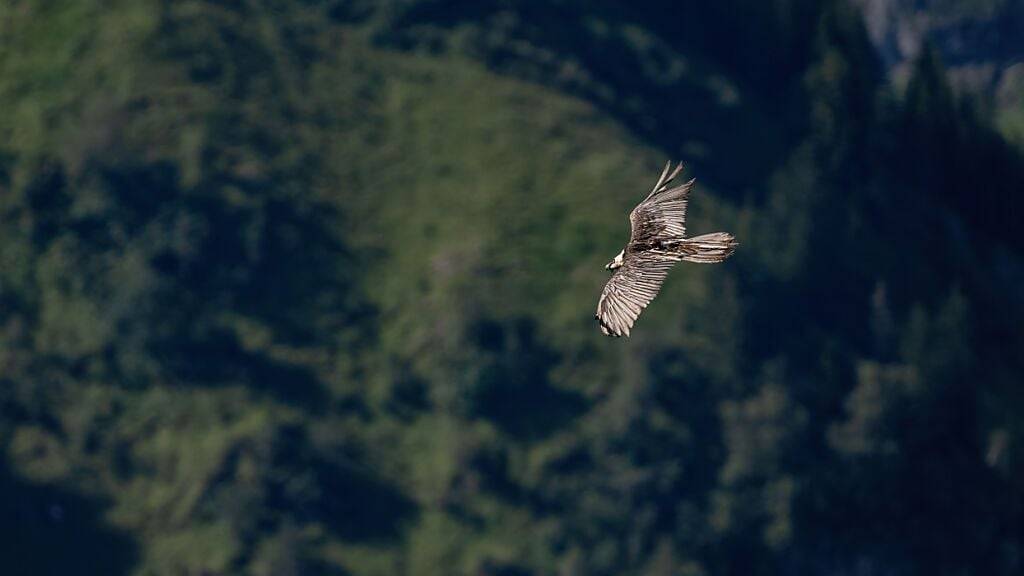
707 248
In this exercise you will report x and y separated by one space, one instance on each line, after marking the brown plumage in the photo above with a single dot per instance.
657 241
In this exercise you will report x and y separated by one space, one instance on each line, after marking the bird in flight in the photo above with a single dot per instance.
657 240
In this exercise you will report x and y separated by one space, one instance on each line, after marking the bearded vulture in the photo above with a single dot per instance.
657 241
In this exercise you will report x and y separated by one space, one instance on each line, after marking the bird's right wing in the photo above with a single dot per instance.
662 215
630 289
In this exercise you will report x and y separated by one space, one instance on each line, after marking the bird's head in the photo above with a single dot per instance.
616 263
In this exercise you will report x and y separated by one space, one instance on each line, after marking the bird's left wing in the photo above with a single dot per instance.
630 289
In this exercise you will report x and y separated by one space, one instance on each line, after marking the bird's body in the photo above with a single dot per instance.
657 241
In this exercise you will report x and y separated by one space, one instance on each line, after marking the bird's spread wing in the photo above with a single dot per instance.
630 289
662 215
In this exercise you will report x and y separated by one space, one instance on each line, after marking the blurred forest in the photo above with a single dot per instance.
307 287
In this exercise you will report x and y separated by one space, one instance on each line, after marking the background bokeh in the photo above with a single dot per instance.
307 287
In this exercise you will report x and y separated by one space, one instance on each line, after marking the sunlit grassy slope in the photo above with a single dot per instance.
492 194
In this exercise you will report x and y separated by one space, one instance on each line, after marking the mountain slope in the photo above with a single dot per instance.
307 288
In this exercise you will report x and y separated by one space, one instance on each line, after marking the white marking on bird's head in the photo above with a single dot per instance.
616 263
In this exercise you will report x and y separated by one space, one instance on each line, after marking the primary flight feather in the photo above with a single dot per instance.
657 241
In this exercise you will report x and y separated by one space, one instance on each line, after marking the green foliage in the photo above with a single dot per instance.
307 288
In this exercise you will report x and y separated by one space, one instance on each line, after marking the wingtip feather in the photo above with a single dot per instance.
667 177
